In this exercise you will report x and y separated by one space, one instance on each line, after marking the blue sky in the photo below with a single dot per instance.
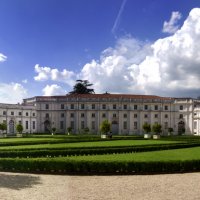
46 45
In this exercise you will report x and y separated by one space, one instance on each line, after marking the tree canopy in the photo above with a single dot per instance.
81 87
146 127
105 127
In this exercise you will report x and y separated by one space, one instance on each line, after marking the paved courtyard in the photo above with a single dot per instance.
17 186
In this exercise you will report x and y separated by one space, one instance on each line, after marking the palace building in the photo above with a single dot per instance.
81 112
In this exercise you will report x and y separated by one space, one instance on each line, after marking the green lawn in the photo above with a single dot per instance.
154 156
111 143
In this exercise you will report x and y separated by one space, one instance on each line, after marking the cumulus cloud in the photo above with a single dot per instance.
47 73
3 58
12 92
171 26
169 66
54 89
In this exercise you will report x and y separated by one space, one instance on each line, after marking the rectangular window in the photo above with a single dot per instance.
26 113
135 115
103 115
72 124
125 124
114 106
82 106
47 106
93 106
12 113
181 116
135 107
181 107
104 106
114 115
72 115
195 124
125 107
26 124
166 107
125 115
72 106
62 106
33 114
82 124
93 125
4 112
166 116
146 107
145 116
47 115
156 107
33 124
93 115
20 122
62 115
61 124
82 114
135 125
156 115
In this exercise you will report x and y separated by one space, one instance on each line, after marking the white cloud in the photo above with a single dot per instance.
53 90
171 26
170 66
12 93
25 81
47 73
3 58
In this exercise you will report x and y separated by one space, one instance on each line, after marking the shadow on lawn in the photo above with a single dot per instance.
18 182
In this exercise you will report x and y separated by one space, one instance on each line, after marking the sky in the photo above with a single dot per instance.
121 46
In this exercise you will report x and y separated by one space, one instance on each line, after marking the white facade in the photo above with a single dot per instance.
13 114
126 113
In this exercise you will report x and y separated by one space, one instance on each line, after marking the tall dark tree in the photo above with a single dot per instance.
81 87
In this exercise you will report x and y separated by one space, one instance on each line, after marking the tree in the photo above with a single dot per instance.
19 128
157 128
53 130
3 127
69 130
81 87
170 130
105 127
146 127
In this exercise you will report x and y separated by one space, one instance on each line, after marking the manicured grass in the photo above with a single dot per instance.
121 154
153 156
111 143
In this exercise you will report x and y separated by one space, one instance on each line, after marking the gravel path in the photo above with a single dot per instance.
16 186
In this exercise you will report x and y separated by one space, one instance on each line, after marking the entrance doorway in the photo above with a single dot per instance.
47 126
115 127
11 127
181 127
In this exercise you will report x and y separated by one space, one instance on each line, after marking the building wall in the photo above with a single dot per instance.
126 114
12 115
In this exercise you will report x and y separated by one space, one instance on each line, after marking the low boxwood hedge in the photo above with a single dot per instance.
90 151
94 167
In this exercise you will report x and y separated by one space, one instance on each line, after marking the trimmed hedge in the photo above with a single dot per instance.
90 151
94 167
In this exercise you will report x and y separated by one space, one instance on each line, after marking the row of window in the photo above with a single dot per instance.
93 125
19 113
26 124
93 115
114 107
